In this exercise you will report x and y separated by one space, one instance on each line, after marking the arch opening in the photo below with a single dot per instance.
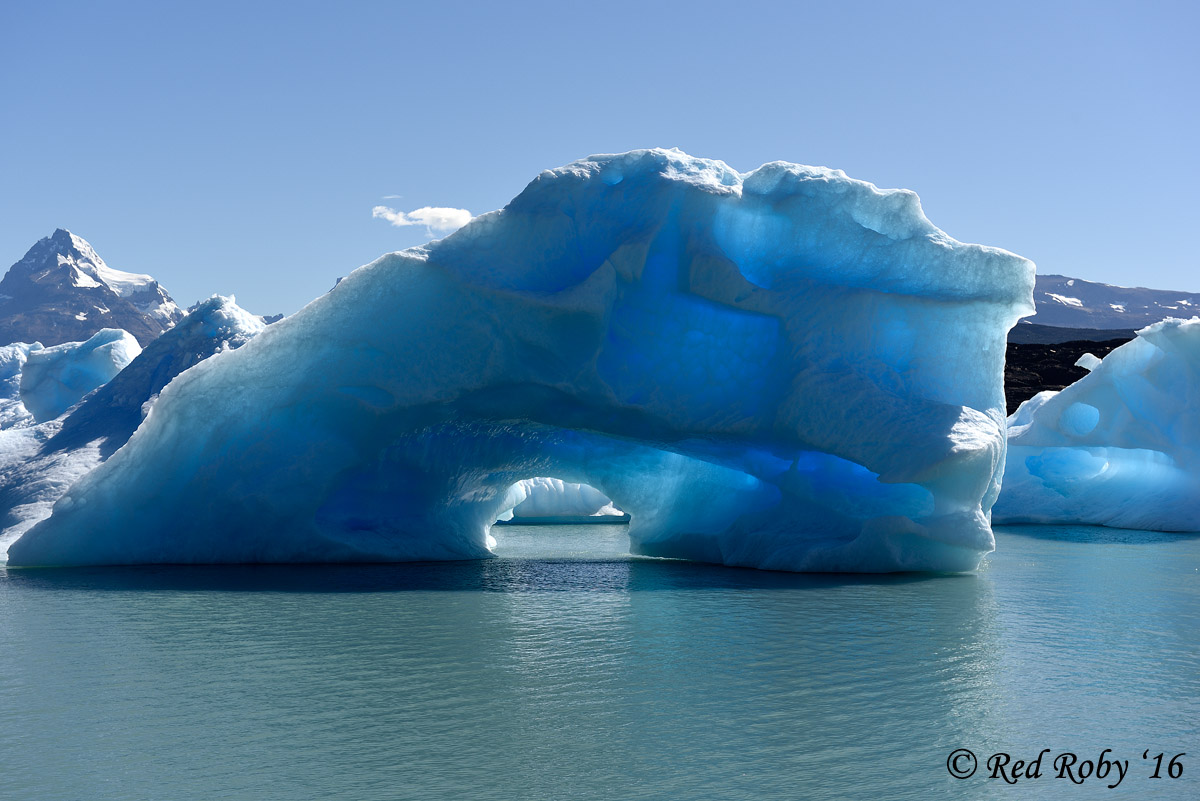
546 500
548 517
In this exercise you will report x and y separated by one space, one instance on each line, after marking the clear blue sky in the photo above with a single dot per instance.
239 147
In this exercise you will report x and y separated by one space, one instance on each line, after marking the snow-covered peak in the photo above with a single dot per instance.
62 281
142 289
65 249
123 283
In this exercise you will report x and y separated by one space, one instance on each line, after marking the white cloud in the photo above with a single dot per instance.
436 219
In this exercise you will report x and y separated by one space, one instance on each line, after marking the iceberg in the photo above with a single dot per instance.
785 369
54 379
39 462
12 361
1120 447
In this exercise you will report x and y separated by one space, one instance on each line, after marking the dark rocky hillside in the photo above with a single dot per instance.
1033 367
1027 333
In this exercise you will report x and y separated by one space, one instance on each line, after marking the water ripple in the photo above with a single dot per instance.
594 675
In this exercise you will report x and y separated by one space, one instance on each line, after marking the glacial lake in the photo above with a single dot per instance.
571 670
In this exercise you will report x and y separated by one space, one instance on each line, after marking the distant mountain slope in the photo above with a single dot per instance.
1074 303
61 291
1032 333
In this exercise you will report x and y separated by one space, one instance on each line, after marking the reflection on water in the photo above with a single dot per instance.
568 669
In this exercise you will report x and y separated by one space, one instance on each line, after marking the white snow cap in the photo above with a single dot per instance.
89 270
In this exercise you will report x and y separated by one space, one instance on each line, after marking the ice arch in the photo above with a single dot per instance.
784 369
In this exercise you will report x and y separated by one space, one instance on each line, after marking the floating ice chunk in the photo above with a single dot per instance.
1119 447
12 361
54 379
38 463
786 369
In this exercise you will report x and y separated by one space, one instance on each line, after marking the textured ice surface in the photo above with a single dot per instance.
785 369
54 379
1119 447
12 361
38 463
553 497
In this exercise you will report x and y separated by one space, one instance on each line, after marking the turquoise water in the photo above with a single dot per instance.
570 670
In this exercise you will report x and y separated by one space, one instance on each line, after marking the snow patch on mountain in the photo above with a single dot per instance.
140 289
1075 303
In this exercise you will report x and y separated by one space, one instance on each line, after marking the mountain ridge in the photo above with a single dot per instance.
62 291
1066 302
